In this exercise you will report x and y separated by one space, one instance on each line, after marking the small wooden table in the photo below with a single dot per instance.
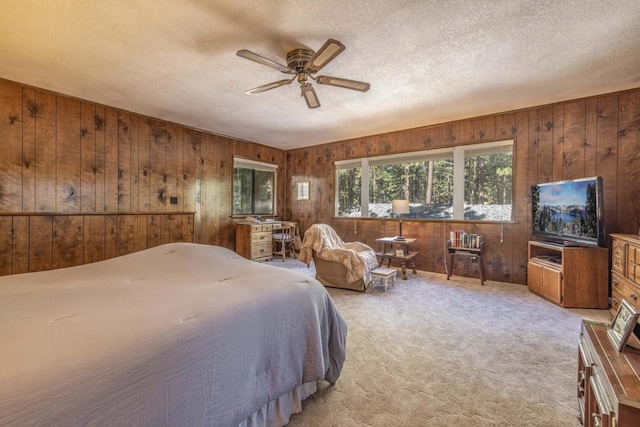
388 254
474 253
384 274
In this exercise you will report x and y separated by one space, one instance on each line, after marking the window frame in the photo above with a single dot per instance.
456 152
254 165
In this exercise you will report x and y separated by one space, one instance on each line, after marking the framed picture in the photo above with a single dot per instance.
623 325
303 190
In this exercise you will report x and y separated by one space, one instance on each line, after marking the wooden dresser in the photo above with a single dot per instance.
625 271
254 241
608 380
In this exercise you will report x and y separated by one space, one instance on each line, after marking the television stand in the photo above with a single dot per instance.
563 244
570 276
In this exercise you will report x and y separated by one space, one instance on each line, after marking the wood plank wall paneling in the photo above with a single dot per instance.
82 182
44 112
574 139
41 242
112 174
11 137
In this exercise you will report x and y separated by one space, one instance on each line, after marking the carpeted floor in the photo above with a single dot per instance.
432 352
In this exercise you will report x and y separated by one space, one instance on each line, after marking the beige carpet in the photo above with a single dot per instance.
432 352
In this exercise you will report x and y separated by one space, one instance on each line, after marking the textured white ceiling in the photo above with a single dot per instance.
427 61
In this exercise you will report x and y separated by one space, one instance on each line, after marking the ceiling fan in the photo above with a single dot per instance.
303 64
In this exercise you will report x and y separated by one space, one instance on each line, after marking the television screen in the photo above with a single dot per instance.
569 211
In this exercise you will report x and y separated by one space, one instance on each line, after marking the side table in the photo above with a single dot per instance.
474 253
388 254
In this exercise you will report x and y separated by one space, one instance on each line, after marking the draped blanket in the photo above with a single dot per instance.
357 257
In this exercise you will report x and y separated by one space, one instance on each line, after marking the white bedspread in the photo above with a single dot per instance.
180 334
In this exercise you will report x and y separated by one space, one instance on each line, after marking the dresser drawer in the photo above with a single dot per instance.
259 250
633 272
633 263
633 254
622 288
261 237
618 256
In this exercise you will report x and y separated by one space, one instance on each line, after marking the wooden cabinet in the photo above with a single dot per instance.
569 276
254 241
625 270
608 384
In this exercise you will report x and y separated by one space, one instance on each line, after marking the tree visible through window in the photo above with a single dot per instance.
253 188
427 180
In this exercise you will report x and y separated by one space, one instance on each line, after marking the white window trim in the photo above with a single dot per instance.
242 162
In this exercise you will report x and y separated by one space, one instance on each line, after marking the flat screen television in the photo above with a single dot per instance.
569 212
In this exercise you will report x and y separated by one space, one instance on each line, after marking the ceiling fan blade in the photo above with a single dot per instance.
345 83
269 86
309 95
247 54
326 54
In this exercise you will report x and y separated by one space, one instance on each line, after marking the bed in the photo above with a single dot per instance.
177 335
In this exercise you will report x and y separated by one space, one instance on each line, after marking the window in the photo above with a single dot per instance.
472 182
253 187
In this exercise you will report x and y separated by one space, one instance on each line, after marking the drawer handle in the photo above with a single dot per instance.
581 382
597 418
634 297
614 282
262 237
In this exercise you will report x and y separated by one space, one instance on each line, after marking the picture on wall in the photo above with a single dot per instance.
303 190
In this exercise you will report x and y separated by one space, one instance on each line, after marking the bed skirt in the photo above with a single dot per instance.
278 411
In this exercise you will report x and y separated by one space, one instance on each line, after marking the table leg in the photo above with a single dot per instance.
403 265
450 269
483 277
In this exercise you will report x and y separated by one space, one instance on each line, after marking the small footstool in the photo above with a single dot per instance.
384 274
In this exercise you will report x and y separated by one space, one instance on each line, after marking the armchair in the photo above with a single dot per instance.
338 264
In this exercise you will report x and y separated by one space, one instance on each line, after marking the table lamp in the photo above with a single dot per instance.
400 207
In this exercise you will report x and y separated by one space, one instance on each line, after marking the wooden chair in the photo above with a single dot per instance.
284 240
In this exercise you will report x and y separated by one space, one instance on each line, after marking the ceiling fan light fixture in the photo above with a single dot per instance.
303 64
309 95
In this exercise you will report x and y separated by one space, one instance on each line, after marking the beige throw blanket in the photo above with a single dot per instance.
358 258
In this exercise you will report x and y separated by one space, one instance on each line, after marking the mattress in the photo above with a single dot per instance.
178 335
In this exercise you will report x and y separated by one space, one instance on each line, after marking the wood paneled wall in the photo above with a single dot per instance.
82 182
574 139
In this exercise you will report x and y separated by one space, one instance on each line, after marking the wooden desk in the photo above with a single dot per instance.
254 240
474 253
388 254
